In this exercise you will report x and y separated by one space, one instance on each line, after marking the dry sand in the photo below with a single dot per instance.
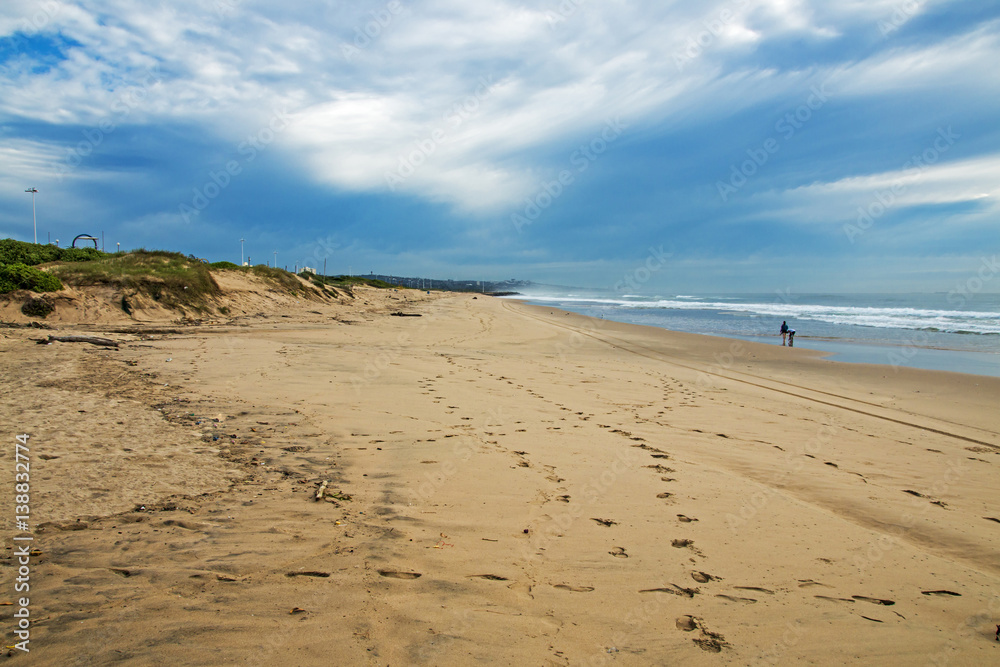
527 487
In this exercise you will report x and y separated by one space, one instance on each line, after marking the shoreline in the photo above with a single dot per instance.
511 485
861 351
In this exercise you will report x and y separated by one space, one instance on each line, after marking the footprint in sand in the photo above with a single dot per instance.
685 519
736 599
680 544
755 588
942 593
686 623
704 577
393 574
862 598
675 590
488 577
618 552
605 522
574 589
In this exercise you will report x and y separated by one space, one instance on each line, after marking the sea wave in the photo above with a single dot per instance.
948 321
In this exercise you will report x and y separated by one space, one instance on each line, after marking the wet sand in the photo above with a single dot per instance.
505 484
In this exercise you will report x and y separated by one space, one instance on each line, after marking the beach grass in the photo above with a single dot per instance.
350 281
162 274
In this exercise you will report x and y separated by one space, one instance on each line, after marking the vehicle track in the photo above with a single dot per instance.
655 355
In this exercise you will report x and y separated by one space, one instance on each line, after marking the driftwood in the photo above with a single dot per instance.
322 489
93 340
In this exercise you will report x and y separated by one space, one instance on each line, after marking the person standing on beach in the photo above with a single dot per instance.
784 332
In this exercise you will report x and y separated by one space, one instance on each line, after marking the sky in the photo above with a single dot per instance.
676 147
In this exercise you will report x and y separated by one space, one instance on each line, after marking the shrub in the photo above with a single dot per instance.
81 254
37 307
32 254
20 276
18 252
224 265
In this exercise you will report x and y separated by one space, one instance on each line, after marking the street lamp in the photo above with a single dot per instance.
34 221
241 252
275 259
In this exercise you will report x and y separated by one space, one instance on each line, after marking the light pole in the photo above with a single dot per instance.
275 259
34 221
241 252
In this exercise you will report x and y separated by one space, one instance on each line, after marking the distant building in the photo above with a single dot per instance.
309 269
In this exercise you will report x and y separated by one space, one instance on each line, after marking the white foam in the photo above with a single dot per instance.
949 321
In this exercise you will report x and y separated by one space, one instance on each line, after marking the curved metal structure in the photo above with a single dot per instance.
85 237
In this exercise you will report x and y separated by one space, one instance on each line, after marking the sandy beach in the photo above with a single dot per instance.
501 484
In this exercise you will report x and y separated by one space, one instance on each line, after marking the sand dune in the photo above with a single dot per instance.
505 484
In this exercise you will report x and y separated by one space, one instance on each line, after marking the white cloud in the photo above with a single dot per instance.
555 79
973 180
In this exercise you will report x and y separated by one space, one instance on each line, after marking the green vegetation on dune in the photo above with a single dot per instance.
18 261
348 281
162 274
21 276
168 277
32 254
281 277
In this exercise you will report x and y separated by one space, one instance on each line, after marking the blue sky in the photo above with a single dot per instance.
763 144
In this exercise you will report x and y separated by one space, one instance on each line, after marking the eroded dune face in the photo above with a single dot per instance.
240 294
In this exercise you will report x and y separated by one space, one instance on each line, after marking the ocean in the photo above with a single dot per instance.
940 331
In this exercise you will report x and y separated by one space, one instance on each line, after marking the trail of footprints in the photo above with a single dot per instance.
704 638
